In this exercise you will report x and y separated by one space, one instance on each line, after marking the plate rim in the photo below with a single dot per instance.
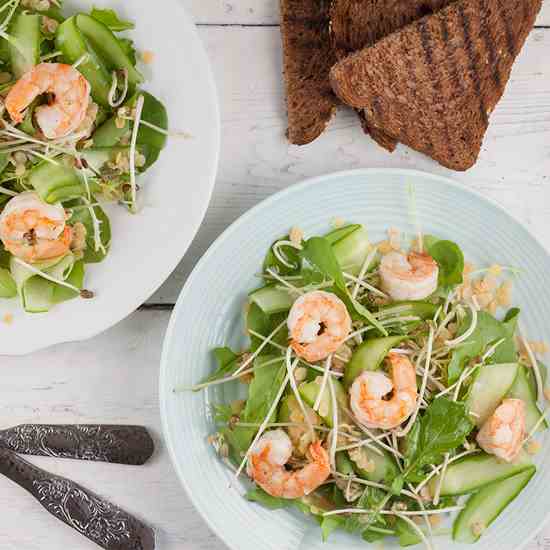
189 25
302 184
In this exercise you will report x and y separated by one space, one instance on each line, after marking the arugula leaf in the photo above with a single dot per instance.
273 503
227 361
443 427
263 389
222 413
83 216
488 330
293 256
318 252
406 534
129 49
371 499
507 352
450 259
330 524
264 324
110 19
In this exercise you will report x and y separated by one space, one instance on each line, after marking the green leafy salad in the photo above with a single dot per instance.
76 131
390 391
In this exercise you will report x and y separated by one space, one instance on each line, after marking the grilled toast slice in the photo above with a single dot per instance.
434 84
356 24
307 59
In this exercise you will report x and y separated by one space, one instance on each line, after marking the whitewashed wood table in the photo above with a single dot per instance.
113 378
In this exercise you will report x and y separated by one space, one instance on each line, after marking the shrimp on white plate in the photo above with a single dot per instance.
318 324
266 466
33 230
379 401
408 277
66 111
504 432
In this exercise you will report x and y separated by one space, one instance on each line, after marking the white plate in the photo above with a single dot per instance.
209 313
146 248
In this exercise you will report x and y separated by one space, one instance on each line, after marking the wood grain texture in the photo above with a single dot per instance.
109 379
256 160
263 12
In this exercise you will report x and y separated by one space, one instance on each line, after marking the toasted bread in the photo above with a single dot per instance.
356 24
307 59
434 84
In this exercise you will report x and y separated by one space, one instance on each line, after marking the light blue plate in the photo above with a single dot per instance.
209 314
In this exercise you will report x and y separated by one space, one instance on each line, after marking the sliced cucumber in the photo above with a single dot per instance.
343 464
271 299
473 472
25 51
108 46
109 134
486 505
309 392
521 389
342 232
490 386
8 288
352 250
382 467
369 356
424 310
37 295
72 43
56 182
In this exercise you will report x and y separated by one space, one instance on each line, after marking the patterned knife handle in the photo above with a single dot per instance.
95 518
117 444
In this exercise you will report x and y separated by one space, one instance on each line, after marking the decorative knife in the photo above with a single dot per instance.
116 444
95 518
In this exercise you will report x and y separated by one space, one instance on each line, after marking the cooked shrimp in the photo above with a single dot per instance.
33 230
369 392
266 466
411 277
503 433
68 108
318 323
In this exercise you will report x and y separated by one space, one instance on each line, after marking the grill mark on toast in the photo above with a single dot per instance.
490 44
450 54
412 76
435 84
510 45
471 56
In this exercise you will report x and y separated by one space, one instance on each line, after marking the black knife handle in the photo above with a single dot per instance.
116 444
95 518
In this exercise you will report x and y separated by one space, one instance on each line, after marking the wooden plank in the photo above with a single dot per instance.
264 12
109 379
256 160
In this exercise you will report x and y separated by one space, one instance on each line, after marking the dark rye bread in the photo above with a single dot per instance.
434 84
307 59
356 24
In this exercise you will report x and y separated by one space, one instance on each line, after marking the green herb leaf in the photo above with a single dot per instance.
443 427
329 524
8 288
318 252
292 255
406 534
507 352
129 49
273 503
227 361
83 216
450 260
488 330
112 20
397 485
